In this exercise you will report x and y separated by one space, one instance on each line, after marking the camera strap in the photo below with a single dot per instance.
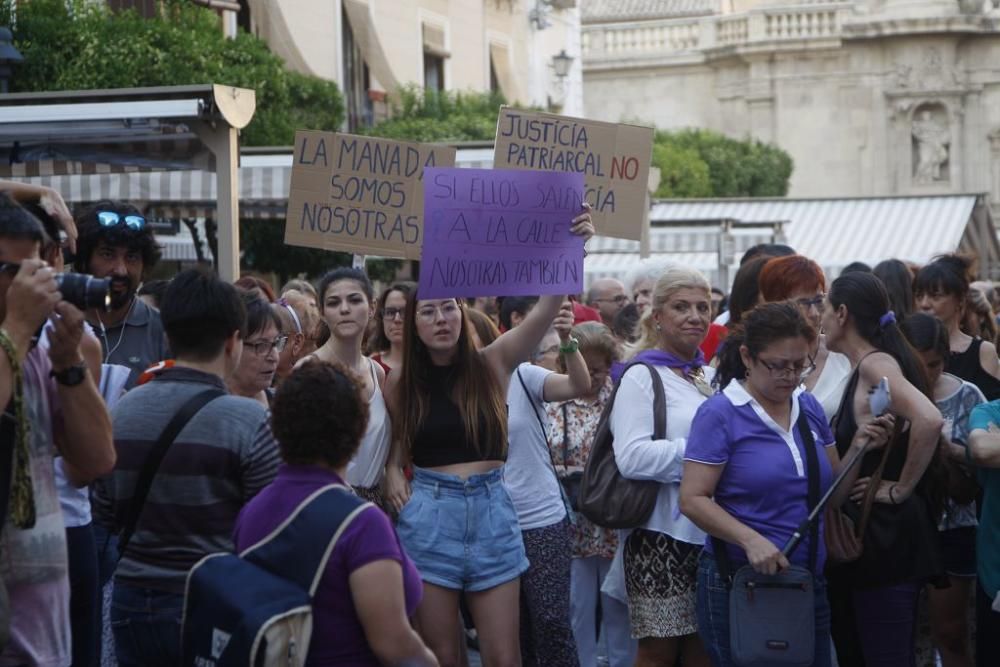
155 457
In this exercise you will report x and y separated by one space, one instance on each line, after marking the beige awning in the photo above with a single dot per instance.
434 40
367 40
500 61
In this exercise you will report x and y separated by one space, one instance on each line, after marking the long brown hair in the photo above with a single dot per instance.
477 391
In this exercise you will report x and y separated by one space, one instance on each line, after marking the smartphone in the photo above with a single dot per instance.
880 398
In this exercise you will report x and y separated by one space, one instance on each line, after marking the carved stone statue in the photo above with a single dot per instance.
933 139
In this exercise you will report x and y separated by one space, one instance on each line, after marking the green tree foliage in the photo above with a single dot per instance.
83 45
433 116
703 163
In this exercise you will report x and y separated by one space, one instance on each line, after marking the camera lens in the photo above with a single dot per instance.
85 291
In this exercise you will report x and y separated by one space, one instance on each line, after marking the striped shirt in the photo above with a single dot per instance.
219 461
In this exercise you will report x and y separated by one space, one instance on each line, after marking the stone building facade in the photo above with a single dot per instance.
372 47
870 97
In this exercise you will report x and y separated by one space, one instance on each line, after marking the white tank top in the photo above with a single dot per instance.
368 465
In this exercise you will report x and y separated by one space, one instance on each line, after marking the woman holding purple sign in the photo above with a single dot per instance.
457 521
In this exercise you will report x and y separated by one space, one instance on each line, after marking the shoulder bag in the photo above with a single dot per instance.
606 497
155 457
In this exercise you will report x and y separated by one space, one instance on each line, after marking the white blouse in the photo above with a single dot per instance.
640 457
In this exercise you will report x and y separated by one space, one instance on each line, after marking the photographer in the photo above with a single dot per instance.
52 404
115 242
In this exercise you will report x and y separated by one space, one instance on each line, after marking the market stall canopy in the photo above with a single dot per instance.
100 134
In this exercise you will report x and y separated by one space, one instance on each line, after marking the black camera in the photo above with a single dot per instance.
85 291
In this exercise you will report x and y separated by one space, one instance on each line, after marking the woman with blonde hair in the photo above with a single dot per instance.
661 556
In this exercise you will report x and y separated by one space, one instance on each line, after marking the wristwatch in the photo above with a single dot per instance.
72 376
570 346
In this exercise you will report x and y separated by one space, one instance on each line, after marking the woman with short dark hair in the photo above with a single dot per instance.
370 587
941 288
746 470
262 348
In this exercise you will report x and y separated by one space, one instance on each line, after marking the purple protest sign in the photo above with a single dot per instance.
500 232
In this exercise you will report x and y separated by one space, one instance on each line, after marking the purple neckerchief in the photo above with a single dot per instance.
660 358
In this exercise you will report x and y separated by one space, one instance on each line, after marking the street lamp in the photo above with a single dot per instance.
561 63
9 56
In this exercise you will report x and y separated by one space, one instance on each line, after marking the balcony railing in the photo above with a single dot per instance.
664 37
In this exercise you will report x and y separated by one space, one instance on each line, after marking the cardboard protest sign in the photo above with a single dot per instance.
493 232
359 194
614 160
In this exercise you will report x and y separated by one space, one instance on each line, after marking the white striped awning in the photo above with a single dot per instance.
836 232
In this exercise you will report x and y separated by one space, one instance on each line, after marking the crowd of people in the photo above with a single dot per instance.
465 426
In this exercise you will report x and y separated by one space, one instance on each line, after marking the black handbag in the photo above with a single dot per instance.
607 498
772 617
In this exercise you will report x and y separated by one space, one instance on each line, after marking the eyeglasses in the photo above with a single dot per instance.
111 219
446 310
800 371
10 268
262 347
392 313
815 302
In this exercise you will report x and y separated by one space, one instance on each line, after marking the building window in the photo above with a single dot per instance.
435 53
357 81
433 72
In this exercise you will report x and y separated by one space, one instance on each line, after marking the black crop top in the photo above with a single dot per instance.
441 439
967 366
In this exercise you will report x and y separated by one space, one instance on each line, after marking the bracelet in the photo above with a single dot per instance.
22 493
891 499
571 346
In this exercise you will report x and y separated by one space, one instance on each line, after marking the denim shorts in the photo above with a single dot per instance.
462 534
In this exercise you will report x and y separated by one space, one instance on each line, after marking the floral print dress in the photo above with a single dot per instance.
572 427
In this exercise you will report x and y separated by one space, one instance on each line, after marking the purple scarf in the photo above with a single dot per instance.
660 358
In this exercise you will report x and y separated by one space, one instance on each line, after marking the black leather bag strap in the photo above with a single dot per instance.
155 457
812 499
659 403
545 442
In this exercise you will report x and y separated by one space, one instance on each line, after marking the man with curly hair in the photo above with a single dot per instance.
116 242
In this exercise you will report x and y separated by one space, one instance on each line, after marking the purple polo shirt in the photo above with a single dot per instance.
764 483
338 637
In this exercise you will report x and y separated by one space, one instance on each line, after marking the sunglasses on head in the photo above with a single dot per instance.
111 219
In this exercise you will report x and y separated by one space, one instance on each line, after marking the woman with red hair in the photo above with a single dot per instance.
800 280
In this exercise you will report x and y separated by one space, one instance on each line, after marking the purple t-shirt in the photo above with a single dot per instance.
338 637
764 484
